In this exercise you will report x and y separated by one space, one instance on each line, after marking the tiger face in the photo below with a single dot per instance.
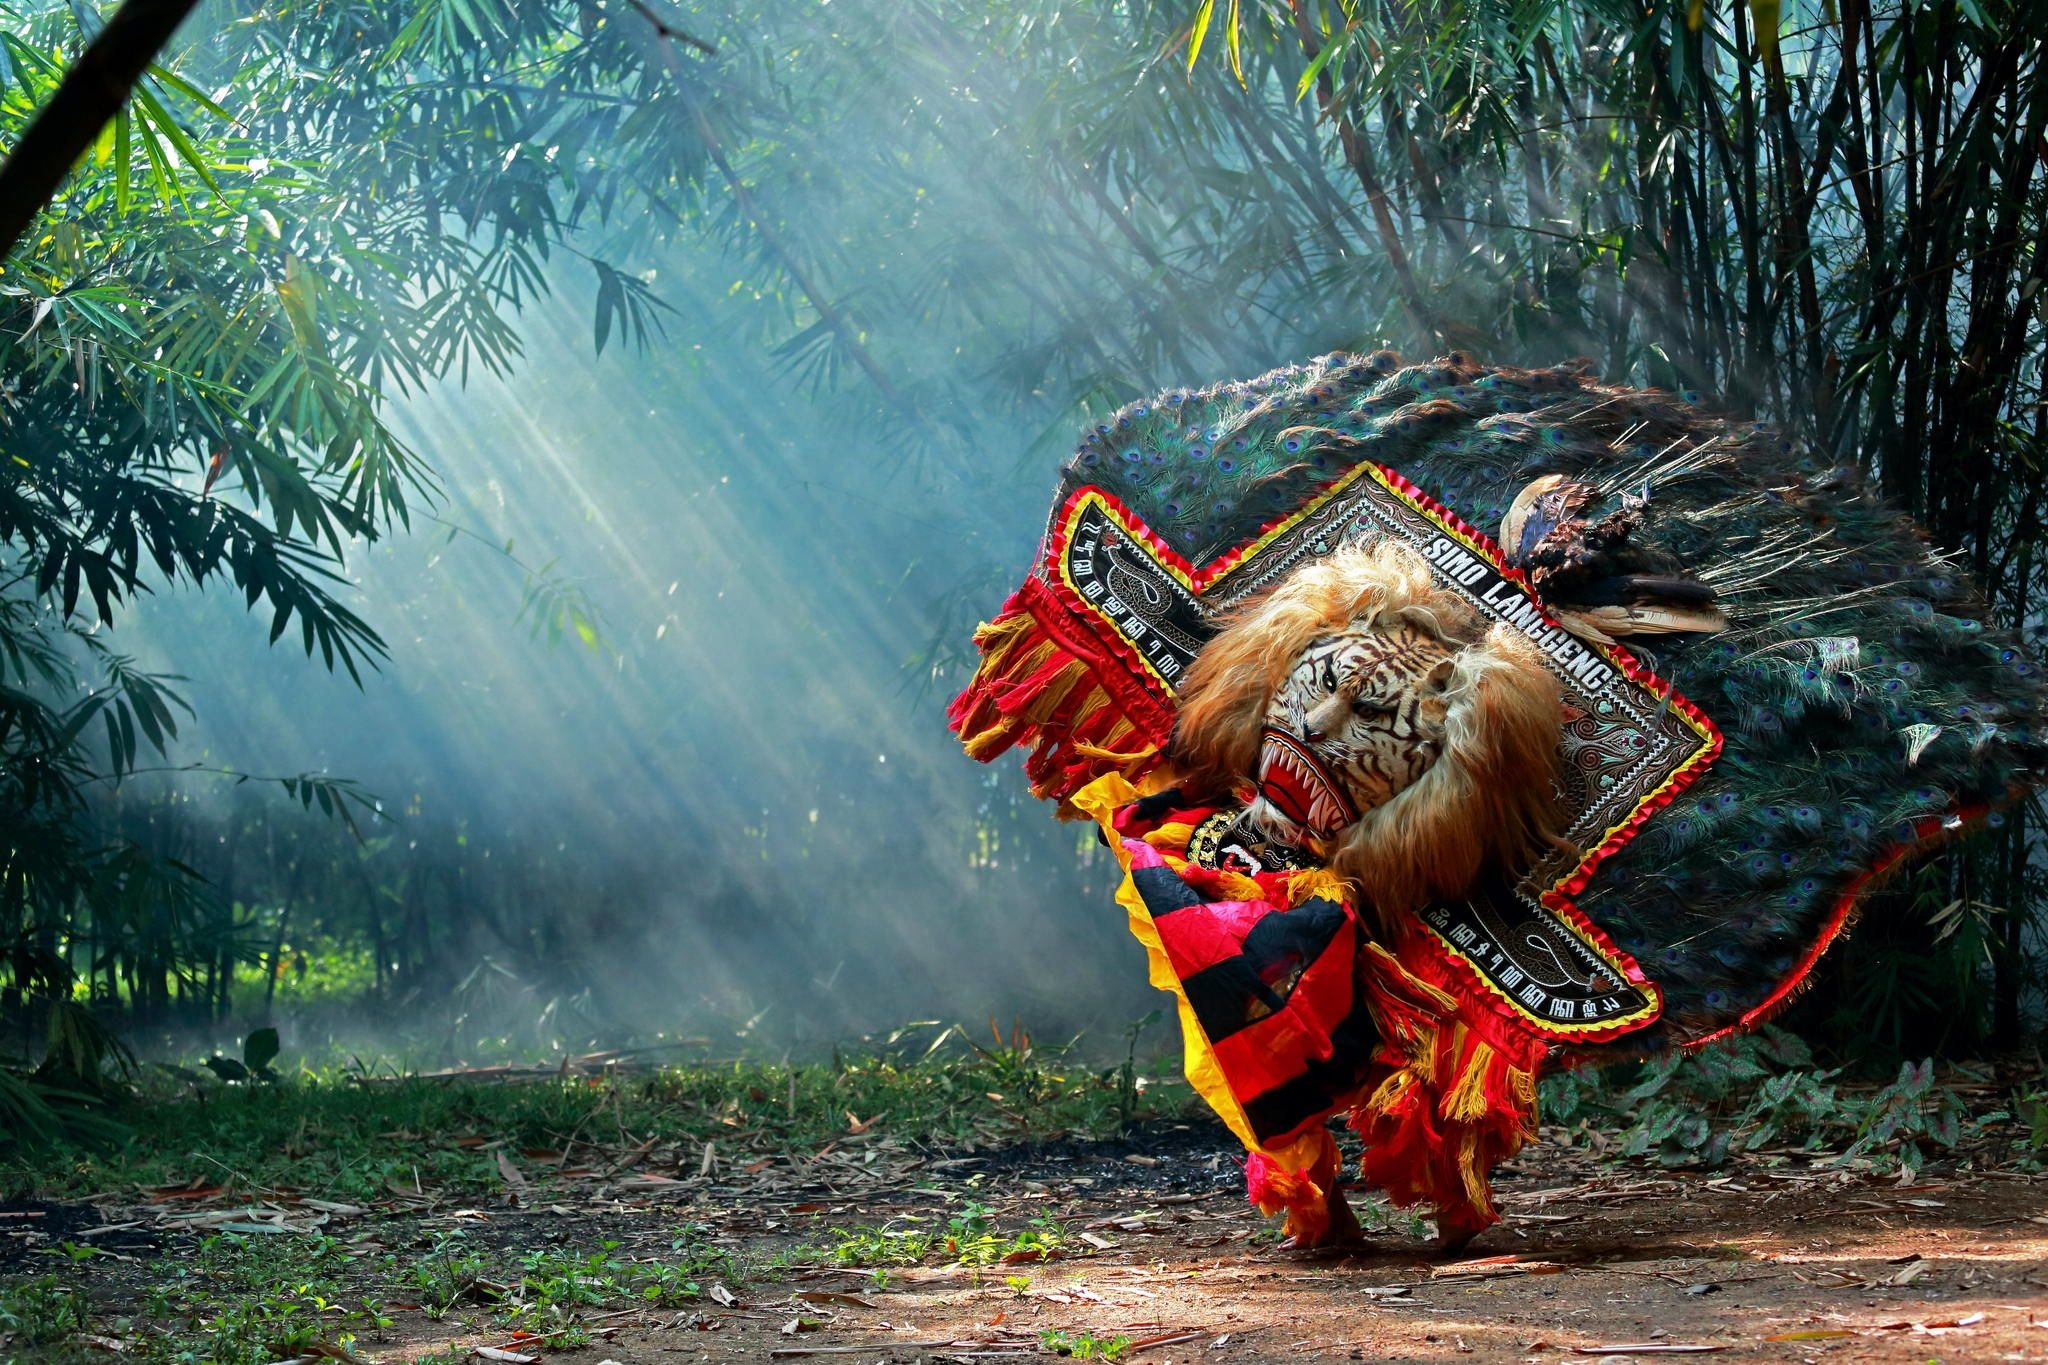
1387 728
1357 720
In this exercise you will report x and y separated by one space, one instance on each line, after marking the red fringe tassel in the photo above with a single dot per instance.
1451 1094
1032 690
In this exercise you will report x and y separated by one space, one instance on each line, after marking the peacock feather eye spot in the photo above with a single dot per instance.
1090 459
1759 865
1198 452
1172 509
1131 455
1291 444
1908 669
1141 411
1787 859
1158 457
1226 465
1102 428
1728 800
1996 819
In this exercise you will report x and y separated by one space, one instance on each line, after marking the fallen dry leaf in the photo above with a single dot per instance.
1648 1348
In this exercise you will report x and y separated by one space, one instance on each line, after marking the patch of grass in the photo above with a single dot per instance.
239 1300
449 1273
244 1299
1085 1345
967 1238
339 1136
40 1312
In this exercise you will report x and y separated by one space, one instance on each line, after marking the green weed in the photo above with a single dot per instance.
1764 1092
1085 1345
41 1311
448 1274
347 1137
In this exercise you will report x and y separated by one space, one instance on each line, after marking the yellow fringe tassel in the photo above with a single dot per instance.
1473 1173
1465 1101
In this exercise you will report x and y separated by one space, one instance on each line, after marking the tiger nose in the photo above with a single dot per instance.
1322 720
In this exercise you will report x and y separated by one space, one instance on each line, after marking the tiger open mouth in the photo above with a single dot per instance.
1295 783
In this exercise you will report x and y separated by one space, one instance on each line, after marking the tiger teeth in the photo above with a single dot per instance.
1296 786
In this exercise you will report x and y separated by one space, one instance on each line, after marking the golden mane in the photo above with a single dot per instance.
1488 802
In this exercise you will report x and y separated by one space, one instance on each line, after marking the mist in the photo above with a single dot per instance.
745 781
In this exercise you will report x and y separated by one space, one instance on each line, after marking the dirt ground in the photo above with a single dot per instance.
1772 1259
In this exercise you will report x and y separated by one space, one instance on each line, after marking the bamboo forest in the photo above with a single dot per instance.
1160 680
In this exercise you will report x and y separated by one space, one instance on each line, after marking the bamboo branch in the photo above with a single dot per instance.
88 97
1359 157
828 312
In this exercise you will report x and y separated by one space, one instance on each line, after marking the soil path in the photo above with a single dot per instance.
1769 1260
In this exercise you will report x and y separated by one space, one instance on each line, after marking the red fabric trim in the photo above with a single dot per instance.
1927 833
1113 662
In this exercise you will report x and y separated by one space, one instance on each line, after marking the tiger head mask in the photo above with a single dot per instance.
1382 723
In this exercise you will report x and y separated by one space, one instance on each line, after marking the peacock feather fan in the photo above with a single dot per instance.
1862 699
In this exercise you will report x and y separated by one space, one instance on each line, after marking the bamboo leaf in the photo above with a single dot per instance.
1200 32
1234 40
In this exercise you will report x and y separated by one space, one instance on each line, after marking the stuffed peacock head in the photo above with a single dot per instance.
1380 721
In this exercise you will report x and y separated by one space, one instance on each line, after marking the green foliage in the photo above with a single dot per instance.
303 213
351 1137
41 1311
1084 1345
968 1237
1763 1094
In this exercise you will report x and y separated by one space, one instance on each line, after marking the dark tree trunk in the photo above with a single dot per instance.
92 92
